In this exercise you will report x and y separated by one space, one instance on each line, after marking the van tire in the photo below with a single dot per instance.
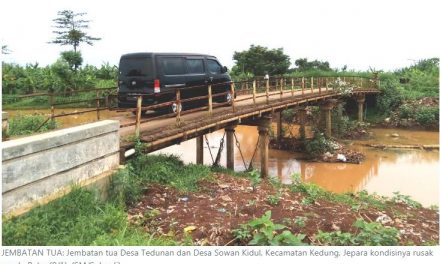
227 98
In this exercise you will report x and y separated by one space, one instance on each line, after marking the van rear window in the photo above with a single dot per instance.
136 67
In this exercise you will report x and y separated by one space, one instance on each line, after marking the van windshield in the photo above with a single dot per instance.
130 67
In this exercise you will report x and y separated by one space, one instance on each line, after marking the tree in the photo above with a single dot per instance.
260 60
5 50
71 31
73 58
304 65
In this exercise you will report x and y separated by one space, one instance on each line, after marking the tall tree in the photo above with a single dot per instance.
71 30
261 60
304 65
5 49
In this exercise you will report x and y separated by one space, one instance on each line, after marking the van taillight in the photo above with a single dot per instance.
157 86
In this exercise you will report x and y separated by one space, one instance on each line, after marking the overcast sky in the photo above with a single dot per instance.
380 34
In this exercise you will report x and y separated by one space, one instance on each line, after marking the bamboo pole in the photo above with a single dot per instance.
254 91
232 96
138 115
281 89
97 105
267 91
319 85
178 107
302 86
210 100
293 86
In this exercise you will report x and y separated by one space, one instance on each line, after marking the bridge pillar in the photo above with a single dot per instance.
199 150
279 125
263 131
326 108
360 99
230 146
302 118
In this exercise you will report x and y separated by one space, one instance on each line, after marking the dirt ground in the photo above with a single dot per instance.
223 204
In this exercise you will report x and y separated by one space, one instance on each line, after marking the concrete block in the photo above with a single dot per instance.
35 192
36 168
28 145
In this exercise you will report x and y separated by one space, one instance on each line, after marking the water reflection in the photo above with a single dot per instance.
411 172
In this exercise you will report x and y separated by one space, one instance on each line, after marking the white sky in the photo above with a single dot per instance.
379 34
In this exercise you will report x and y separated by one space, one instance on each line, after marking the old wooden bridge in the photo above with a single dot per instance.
257 103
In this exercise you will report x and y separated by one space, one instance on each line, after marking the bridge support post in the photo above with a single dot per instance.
279 125
360 99
230 146
199 150
302 117
326 108
263 131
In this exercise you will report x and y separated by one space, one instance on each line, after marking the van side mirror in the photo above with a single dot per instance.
224 69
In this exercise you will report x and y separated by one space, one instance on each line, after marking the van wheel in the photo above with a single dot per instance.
228 97
173 108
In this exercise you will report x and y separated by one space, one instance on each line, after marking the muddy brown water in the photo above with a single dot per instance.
410 172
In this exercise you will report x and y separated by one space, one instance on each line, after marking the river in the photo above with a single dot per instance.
410 172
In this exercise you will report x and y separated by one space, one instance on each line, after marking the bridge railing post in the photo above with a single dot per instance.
138 115
319 85
210 99
311 84
97 105
302 86
254 92
267 91
52 108
293 86
178 107
281 88
233 96
326 84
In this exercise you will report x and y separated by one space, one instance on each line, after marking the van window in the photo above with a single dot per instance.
214 67
130 67
195 66
172 66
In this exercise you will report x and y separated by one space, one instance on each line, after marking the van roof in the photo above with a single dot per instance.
150 54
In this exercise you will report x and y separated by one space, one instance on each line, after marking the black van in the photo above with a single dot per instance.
157 75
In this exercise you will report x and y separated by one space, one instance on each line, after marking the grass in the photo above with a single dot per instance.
357 201
80 218
127 185
28 124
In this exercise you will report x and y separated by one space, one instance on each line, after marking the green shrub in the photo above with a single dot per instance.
427 116
368 234
263 232
319 145
28 124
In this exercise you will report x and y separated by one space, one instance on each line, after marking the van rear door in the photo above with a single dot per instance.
136 74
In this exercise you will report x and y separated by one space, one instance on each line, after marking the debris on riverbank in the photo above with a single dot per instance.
337 152
218 214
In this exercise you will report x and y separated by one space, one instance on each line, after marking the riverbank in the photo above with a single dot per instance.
156 200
